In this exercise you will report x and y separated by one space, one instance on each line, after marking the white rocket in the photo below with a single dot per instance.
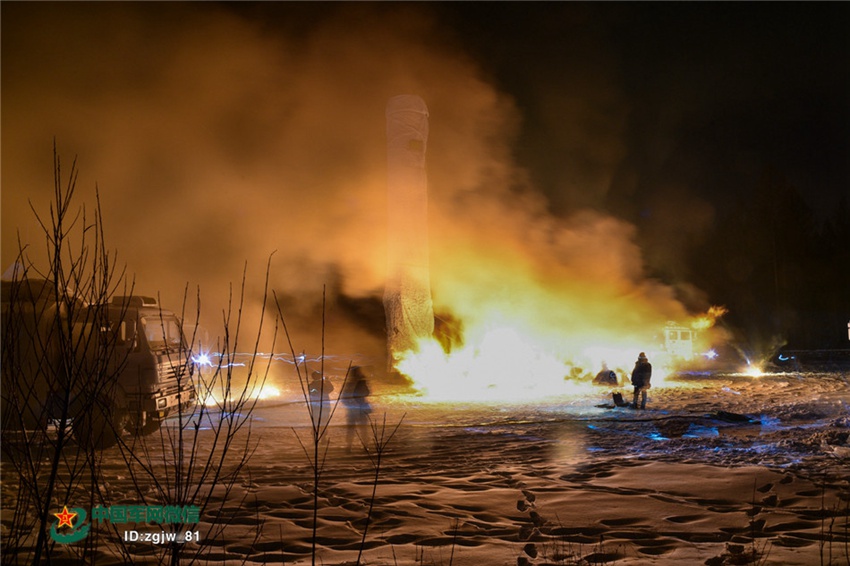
407 295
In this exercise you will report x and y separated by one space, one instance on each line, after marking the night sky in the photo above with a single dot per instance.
218 133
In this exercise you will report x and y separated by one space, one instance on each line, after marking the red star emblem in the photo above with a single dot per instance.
65 517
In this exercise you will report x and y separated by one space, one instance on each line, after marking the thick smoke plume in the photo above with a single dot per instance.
217 142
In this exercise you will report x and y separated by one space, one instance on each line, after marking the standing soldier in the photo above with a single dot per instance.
641 376
355 398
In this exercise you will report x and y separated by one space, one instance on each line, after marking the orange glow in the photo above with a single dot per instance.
706 321
523 331
505 365
500 365
753 370
266 392
214 396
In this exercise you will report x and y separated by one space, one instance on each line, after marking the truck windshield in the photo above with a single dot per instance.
162 332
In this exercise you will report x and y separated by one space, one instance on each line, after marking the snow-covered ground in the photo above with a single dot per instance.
720 465
722 468
787 420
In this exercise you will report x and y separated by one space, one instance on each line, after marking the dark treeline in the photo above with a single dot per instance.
783 272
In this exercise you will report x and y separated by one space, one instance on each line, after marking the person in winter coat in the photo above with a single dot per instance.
355 399
641 376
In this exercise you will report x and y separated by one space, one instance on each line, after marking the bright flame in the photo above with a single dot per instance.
707 320
753 370
266 392
509 354
515 361
214 397
210 399
539 314
503 364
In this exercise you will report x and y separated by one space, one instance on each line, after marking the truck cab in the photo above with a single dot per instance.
105 369
679 341
157 375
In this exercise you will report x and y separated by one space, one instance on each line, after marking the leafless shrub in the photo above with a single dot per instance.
201 454
60 402
376 446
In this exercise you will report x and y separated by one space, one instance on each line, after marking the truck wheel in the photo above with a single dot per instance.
150 427
101 426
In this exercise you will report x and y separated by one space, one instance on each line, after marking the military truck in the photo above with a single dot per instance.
105 369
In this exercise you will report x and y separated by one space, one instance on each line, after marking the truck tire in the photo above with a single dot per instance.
101 426
150 427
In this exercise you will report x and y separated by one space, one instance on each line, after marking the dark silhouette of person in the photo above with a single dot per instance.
641 376
320 390
355 399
